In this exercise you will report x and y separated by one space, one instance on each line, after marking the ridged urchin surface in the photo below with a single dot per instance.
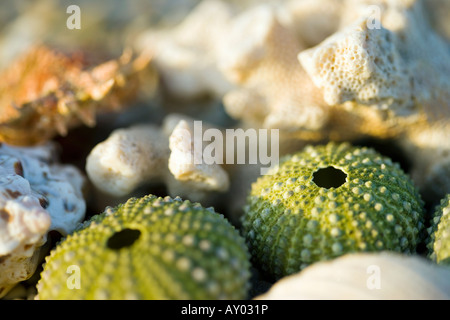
150 248
329 200
438 242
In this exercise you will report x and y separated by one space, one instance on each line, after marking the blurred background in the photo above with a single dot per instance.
105 24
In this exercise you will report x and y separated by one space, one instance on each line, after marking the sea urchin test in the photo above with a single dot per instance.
149 248
330 200
438 242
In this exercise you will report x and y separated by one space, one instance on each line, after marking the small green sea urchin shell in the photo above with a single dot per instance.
438 242
149 248
330 200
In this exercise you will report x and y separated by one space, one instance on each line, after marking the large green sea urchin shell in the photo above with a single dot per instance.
327 201
149 248
438 242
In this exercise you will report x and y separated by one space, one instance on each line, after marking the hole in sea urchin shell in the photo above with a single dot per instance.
329 177
123 238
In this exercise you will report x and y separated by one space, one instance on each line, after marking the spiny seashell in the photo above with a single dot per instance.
217 52
45 93
438 242
329 200
37 195
364 276
150 248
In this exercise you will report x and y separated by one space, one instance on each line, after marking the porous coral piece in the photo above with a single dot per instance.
273 89
438 242
36 195
329 200
142 154
128 158
366 276
387 67
45 93
150 248
362 65
185 55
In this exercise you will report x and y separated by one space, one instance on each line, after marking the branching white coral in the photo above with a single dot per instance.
360 65
259 56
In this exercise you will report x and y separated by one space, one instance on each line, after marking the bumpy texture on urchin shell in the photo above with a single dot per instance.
438 242
290 222
184 251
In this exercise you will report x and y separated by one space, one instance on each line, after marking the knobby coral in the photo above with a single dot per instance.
384 64
37 195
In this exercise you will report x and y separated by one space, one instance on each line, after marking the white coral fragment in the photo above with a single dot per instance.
361 65
399 64
36 195
366 276
142 155
187 163
248 59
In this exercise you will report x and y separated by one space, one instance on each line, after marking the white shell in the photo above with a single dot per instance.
362 276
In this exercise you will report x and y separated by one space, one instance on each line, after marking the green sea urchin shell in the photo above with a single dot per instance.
327 201
149 248
438 242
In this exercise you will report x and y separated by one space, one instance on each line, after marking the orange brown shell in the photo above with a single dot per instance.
45 93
